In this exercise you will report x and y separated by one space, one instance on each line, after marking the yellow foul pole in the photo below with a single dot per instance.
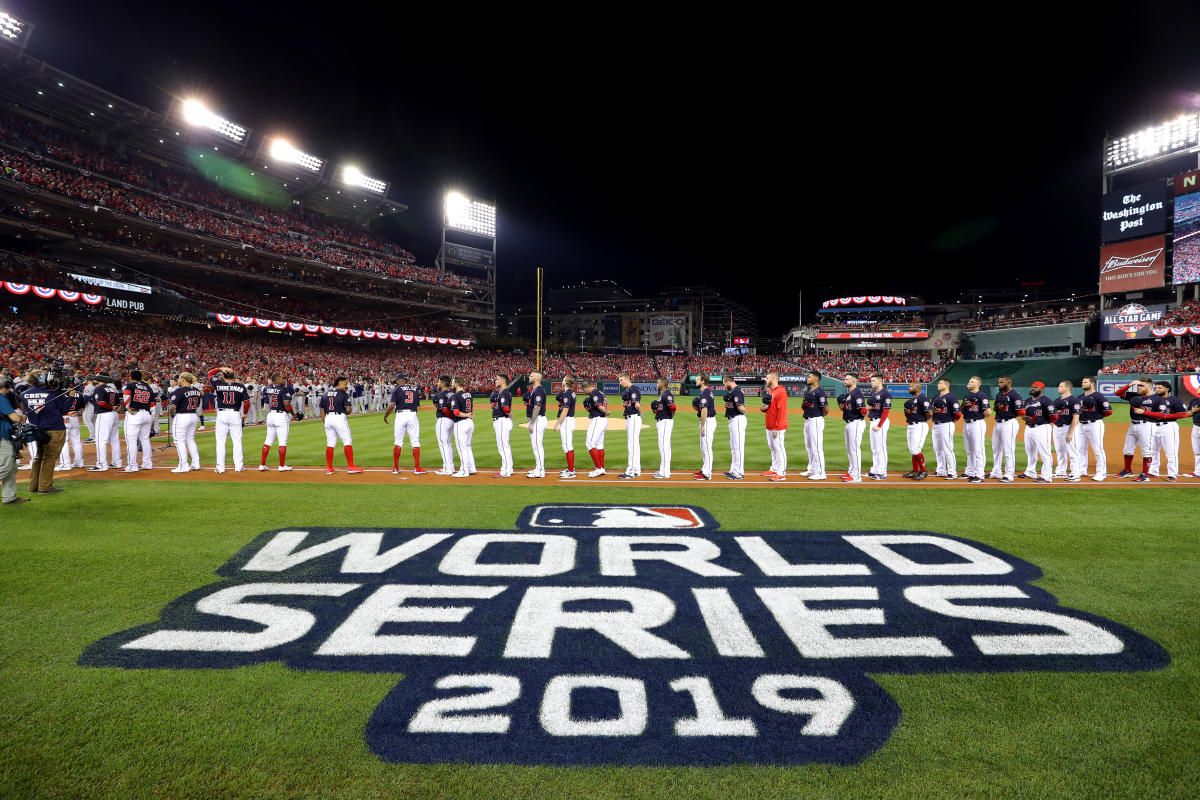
539 320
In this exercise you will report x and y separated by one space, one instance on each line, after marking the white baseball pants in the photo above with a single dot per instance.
595 433
107 439
878 441
183 433
776 444
1038 445
1166 442
566 433
408 425
137 431
916 435
737 445
633 445
708 429
852 438
943 449
973 436
502 426
463 433
443 431
1140 436
1092 435
229 423
537 435
72 452
1196 449
664 427
336 427
1004 448
279 425
1066 457
814 446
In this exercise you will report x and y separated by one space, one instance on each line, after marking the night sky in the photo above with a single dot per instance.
916 152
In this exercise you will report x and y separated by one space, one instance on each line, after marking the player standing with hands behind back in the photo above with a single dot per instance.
232 403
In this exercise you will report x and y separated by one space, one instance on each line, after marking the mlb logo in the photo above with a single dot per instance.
619 517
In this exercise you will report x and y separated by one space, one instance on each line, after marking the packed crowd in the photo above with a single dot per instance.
894 367
1018 317
1186 314
1160 359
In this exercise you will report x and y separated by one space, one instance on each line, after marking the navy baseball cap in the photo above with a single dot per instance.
401 377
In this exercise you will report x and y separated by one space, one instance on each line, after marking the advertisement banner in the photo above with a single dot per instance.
1131 321
1136 211
1130 266
669 332
1185 252
107 284
876 335
470 256
1107 384
1187 182
631 330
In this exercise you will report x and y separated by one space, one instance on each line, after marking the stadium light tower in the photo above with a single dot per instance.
469 239
1168 140
196 114
14 32
282 150
353 176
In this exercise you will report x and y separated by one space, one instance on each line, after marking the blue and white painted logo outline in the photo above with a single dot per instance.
743 667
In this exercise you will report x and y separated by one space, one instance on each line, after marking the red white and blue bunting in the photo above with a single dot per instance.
231 319
46 294
1175 330
866 300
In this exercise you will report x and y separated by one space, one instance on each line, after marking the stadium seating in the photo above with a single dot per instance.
1159 359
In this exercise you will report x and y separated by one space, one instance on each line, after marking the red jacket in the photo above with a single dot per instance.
777 414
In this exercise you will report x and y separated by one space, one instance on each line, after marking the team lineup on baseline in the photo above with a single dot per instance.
1059 435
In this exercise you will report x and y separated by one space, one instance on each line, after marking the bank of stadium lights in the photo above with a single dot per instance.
11 28
195 113
353 176
1178 135
473 216
282 150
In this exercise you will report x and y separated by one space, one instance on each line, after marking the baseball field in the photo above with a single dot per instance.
82 715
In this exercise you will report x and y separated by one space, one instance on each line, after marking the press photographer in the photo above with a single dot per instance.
8 452
46 402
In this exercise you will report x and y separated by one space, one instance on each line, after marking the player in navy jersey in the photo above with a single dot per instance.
1068 407
815 407
597 408
1194 410
918 419
1163 412
1039 417
735 418
631 403
277 398
502 425
1007 407
106 399
405 401
706 409
138 399
946 411
878 410
664 423
564 423
183 406
535 423
443 427
1140 436
1094 408
336 404
463 413
231 403
854 407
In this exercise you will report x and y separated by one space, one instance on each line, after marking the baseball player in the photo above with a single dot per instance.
502 424
564 423
854 407
1194 409
1140 436
160 399
72 452
535 423
405 401
918 419
278 400
631 402
1163 411
597 408
1066 433
106 399
232 403
1094 407
138 399
443 427
461 410
254 410
335 406
706 409
816 408
735 417
774 405
183 409
88 417
664 423
1039 417
975 405
1007 407
946 411
878 425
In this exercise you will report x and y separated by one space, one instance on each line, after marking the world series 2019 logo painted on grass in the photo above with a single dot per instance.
605 635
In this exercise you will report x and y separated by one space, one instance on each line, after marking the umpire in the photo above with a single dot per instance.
8 454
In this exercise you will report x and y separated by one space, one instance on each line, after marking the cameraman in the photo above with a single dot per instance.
47 408
8 455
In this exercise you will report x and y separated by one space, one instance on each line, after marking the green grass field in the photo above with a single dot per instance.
107 555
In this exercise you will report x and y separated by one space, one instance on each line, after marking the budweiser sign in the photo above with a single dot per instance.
1130 266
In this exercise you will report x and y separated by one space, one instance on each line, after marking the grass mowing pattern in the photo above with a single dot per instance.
107 555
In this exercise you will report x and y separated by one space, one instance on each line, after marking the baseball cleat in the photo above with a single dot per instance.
702 477
97 469
1006 479
240 469
263 468
879 477
353 470
1040 479
661 477
806 473
920 476
995 476
1026 475
851 479
734 477
768 473
776 478
1143 478
461 475
951 477
625 475
285 468
909 475
1171 479
819 477
131 469
88 441
330 472
395 472
1097 477
567 474
1124 474
596 473
181 469
974 479
1071 479
499 475
219 470
1192 475
419 471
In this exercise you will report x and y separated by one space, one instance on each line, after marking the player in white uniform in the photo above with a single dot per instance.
735 416
564 423
405 401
